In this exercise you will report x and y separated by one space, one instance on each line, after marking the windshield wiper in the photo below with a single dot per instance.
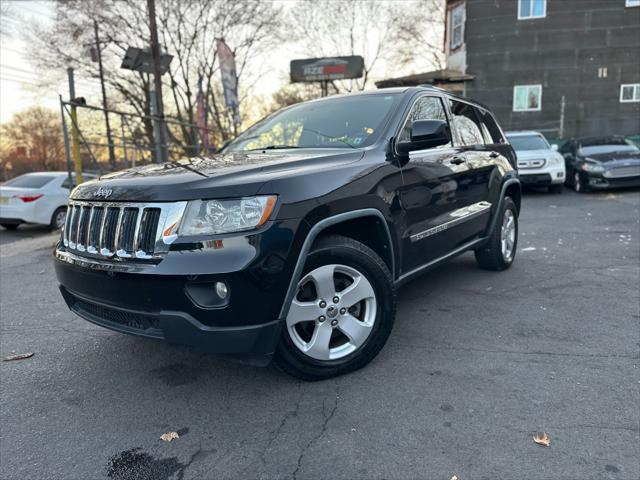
273 147
328 136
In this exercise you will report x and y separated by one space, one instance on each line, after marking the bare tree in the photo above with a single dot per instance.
32 137
334 28
187 29
419 36
388 34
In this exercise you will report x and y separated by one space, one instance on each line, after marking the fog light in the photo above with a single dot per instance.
222 290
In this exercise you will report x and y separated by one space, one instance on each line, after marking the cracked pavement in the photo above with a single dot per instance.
477 363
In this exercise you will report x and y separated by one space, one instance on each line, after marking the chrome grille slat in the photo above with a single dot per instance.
73 230
121 231
95 223
126 240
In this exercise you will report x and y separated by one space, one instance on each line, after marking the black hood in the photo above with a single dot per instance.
614 156
224 175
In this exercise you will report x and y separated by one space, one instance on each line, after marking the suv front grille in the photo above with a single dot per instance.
120 230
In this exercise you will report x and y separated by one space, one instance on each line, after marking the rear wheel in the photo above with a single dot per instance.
342 312
58 218
500 250
10 226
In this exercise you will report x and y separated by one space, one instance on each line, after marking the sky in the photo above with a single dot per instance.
16 75
17 90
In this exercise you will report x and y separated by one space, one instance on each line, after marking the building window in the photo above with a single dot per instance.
630 92
632 3
457 27
532 9
527 98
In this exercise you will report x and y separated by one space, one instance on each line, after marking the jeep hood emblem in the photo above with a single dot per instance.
103 192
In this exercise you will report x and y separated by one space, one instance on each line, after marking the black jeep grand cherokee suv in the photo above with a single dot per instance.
290 243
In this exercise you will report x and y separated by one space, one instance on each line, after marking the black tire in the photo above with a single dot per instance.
53 224
556 188
336 249
579 185
490 256
10 226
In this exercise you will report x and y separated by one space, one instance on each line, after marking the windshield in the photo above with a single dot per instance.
622 146
29 181
528 142
344 122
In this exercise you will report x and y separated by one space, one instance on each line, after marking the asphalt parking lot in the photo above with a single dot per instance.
477 363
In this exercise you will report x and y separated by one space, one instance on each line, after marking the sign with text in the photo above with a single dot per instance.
326 69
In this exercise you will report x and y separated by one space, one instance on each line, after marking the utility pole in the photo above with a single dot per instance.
157 76
561 129
112 156
74 127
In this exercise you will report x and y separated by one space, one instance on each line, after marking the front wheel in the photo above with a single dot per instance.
578 184
500 250
342 312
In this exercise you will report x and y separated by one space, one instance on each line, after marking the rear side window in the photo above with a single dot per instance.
490 128
466 123
425 108
29 181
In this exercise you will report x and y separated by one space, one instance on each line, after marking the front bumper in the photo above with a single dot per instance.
251 343
175 300
599 182
542 177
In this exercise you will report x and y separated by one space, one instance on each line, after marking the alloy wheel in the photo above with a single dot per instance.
333 312
60 219
508 234
577 183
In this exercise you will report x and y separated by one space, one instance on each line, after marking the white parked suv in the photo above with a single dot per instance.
39 197
538 164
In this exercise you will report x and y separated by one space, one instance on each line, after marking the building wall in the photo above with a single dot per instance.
564 52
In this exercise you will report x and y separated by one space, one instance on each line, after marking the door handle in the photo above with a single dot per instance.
494 154
458 160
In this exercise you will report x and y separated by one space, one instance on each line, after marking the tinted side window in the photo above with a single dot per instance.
65 184
566 147
466 123
425 108
490 127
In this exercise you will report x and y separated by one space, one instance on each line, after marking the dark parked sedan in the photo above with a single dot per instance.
595 163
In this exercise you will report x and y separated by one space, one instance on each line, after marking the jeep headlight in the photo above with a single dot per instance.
209 217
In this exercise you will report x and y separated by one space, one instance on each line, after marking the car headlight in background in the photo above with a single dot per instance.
591 166
208 217
555 159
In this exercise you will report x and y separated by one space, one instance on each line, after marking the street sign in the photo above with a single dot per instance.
326 69
142 61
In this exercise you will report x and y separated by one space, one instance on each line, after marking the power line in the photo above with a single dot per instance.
11 67
6 79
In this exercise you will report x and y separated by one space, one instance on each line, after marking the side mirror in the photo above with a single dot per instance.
554 147
425 134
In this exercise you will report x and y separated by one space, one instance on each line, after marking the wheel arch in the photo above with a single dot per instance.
361 225
514 190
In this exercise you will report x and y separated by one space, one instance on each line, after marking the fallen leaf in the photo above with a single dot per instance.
20 356
543 439
167 437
